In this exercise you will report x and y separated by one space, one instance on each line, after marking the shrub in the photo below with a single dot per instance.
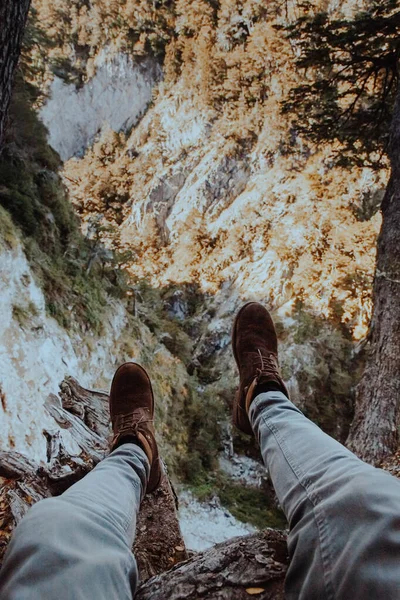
24 314
247 504
203 415
8 234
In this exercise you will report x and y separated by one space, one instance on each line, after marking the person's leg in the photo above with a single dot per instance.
77 546
344 515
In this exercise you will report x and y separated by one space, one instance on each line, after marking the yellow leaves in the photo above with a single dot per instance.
254 591
290 229
172 62
129 25
192 16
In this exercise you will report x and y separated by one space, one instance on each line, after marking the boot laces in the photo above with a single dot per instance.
125 423
267 364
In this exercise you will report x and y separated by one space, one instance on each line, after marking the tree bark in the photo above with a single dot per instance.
13 15
374 431
253 565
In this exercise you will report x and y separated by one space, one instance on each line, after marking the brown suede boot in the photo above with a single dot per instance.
132 412
255 348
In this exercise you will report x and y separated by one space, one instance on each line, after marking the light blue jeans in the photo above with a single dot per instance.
344 519
77 546
344 515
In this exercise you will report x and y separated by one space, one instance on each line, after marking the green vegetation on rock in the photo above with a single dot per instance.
36 209
247 504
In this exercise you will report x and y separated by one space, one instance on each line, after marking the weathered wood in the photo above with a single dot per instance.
20 487
85 414
374 431
13 465
13 14
90 442
159 544
235 570
92 405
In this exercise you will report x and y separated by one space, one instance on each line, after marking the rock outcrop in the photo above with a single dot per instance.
116 97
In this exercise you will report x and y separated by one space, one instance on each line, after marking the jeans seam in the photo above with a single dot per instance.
129 515
313 497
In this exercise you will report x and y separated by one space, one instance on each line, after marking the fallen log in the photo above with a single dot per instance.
254 565
84 413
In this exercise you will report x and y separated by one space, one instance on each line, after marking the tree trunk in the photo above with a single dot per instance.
374 431
254 565
13 14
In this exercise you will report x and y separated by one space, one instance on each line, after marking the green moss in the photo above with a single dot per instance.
325 369
177 341
8 233
251 506
247 504
24 314
202 417
72 295
307 326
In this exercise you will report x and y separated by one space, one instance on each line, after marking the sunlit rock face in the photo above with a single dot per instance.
36 354
215 186
115 97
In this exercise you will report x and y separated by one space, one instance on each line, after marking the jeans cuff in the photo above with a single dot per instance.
263 402
135 450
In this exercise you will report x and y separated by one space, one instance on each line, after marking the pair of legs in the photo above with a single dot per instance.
343 515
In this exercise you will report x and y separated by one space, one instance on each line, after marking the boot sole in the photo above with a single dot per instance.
239 417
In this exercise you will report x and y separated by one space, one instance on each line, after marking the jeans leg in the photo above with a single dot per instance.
343 514
77 546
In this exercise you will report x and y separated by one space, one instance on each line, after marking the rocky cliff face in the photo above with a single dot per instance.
36 353
215 186
115 97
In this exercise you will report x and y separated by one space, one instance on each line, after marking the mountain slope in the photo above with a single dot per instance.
194 192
